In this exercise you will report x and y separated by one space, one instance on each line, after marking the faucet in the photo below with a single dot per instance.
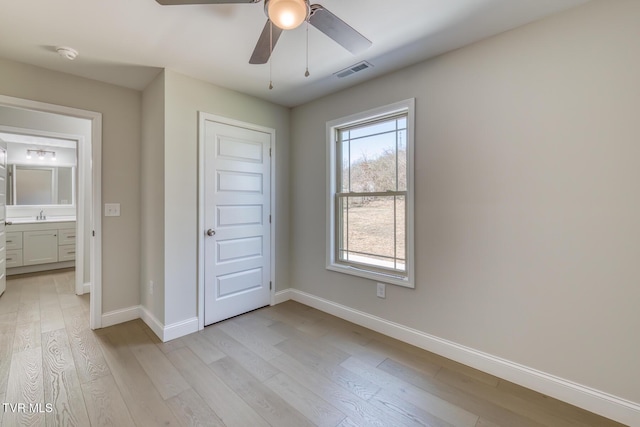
41 217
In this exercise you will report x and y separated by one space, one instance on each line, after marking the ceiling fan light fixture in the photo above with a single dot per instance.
287 14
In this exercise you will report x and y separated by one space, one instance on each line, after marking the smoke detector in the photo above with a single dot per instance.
67 52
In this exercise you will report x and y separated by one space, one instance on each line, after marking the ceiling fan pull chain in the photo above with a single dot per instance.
270 52
306 73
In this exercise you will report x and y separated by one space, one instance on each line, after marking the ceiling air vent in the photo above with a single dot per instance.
353 69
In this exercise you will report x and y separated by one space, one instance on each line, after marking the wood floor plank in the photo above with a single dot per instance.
317 410
203 348
412 394
87 356
29 311
3 400
192 411
165 377
27 336
355 408
265 402
51 319
508 401
326 361
25 386
61 384
9 302
145 403
568 411
6 350
105 405
472 403
257 366
250 339
225 403
405 412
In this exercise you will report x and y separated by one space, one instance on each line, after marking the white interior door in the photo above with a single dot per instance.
3 216
237 240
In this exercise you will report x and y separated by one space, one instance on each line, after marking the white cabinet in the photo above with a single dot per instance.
39 247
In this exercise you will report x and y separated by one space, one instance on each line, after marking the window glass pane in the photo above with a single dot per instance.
373 163
371 129
345 172
402 123
401 238
369 225
402 160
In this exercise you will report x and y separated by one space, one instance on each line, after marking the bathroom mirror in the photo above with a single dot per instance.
40 185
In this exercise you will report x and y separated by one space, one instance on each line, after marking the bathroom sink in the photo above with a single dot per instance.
33 220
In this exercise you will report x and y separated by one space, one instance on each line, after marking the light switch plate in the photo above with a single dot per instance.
112 209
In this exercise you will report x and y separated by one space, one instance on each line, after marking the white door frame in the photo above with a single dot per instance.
93 179
80 187
202 117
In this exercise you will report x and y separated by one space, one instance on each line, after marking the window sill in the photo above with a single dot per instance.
378 277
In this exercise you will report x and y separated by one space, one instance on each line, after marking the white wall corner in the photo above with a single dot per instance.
120 316
147 317
282 296
180 329
588 398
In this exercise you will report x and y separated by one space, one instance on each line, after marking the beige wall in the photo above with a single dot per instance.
152 201
120 110
527 201
184 97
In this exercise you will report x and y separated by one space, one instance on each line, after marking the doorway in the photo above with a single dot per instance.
235 218
88 180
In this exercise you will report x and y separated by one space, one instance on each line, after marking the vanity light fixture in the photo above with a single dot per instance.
41 154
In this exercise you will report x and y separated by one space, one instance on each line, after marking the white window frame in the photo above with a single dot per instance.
407 106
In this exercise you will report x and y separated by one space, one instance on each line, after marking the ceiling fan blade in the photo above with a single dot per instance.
334 27
263 50
178 2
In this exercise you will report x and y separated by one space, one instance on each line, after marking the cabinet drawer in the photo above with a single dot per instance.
14 240
14 258
67 236
66 253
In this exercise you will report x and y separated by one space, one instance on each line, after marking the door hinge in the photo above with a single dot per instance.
93 233
270 285
269 152
269 219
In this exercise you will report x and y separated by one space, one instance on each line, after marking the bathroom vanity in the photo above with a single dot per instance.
39 245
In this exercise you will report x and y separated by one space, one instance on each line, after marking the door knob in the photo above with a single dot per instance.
210 232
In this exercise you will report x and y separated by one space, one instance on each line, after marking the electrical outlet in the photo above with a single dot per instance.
151 287
381 291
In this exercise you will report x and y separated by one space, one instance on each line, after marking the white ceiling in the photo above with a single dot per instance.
127 42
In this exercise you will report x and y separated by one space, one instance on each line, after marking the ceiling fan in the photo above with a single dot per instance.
287 15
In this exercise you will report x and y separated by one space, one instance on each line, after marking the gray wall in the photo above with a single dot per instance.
527 201
120 110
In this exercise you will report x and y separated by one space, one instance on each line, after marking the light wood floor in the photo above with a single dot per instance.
288 365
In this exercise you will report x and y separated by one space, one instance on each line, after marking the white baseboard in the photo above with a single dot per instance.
86 288
605 404
180 329
282 296
120 316
156 326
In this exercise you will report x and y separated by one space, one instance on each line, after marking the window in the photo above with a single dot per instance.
370 214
